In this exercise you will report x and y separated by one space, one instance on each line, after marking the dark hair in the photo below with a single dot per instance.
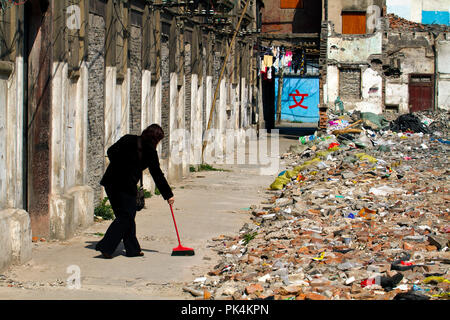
153 134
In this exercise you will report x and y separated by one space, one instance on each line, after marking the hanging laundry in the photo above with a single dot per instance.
298 61
268 61
303 64
288 58
275 52
276 64
263 66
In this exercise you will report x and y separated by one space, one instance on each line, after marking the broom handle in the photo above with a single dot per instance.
176 229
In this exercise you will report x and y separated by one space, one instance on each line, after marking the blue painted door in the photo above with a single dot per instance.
299 99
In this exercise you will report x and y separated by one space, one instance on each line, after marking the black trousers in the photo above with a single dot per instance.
123 227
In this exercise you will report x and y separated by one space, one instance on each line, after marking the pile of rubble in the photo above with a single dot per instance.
358 214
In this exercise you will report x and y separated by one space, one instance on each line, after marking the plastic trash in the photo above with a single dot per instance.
399 266
368 282
441 141
366 213
384 191
306 139
333 145
434 279
411 296
363 156
320 257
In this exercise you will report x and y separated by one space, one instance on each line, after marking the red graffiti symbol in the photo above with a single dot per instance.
298 104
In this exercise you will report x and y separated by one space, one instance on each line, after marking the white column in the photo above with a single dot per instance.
110 98
146 98
3 140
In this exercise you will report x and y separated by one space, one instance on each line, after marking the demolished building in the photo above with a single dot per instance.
367 58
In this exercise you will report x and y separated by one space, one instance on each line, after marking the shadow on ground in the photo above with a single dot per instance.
120 251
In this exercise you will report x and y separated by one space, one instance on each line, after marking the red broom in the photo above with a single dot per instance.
180 250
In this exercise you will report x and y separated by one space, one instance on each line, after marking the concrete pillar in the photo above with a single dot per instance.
146 98
3 167
15 237
244 103
221 121
110 102
68 157
11 133
60 105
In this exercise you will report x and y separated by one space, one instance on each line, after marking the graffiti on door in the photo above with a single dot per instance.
297 103
299 99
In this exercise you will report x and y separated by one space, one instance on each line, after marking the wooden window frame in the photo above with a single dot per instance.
291 4
350 12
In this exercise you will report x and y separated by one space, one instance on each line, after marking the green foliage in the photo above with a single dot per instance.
157 191
205 167
249 237
147 194
104 210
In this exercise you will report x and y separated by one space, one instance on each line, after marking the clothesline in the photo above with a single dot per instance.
276 58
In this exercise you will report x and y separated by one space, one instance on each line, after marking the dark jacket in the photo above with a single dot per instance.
123 172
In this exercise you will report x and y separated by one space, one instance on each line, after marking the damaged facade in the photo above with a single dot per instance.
415 71
76 75
370 60
377 61
354 53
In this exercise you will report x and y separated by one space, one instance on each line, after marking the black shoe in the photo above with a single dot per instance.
140 254
106 256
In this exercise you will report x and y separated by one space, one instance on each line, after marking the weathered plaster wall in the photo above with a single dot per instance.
411 54
355 57
71 200
15 225
354 49
443 69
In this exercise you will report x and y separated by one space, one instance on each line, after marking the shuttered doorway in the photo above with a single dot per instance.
353 22
421 92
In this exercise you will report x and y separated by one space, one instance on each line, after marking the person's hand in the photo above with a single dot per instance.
171 201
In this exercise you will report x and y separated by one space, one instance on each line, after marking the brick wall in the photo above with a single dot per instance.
136 80
350 83
205 120
165 106
96 66
187 94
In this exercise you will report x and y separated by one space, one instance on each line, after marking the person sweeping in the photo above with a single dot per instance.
128 157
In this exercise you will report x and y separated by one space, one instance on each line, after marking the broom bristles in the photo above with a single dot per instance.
183 253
